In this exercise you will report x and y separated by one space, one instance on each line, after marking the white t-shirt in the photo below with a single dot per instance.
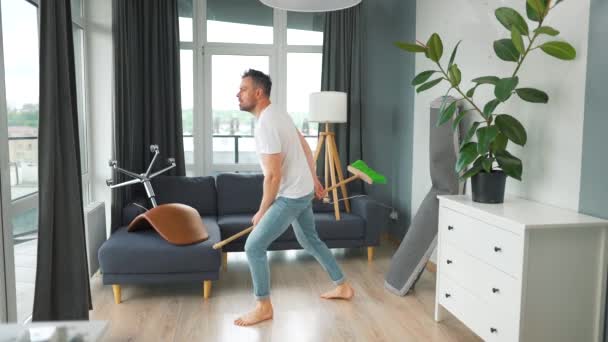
275 132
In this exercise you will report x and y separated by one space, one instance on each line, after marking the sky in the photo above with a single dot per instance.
20 43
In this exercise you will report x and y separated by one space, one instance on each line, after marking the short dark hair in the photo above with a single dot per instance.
260 79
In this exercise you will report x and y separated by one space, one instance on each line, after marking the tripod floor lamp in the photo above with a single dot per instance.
330 107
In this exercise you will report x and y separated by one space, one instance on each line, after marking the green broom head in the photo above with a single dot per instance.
376 177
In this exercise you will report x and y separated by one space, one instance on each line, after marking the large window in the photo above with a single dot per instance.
20 43
219 40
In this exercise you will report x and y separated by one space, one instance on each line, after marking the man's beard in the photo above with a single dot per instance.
246 108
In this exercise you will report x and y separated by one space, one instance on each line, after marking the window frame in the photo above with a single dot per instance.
203 53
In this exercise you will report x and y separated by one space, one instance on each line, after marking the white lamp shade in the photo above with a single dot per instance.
310 5
328 106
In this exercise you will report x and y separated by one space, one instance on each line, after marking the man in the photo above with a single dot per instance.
290 183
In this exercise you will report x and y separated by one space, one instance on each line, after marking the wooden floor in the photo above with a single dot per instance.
179 313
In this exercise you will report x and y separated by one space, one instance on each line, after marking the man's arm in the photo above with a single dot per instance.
272 181
312 166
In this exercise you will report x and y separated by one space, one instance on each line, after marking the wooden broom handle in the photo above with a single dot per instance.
232 238
347 180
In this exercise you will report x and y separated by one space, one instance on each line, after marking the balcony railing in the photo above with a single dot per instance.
23 165
235 148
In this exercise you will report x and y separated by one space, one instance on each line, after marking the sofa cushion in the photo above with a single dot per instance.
239 193
197 192
145 251
349 227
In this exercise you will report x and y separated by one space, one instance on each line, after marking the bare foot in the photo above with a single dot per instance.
261 312
342 291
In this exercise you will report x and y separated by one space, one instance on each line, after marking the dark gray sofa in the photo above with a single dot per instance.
226 205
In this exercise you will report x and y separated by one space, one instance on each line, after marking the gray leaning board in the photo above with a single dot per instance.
420 240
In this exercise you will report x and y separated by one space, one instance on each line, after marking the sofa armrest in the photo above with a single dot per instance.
130 212
375 217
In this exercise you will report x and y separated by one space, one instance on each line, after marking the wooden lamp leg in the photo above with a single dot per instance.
338 166
319 146
332 173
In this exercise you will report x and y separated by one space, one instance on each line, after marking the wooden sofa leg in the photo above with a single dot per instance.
225 261
206 289
116 290
370 254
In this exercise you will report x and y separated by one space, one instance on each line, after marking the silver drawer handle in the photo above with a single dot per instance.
497 249
495 290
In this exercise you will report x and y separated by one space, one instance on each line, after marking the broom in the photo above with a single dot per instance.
359 169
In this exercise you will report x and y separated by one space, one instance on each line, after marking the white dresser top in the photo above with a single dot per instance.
520 212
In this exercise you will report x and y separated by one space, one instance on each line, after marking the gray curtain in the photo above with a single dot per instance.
62 282
147 91
342 72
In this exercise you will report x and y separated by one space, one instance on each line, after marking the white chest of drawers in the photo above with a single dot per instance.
521 270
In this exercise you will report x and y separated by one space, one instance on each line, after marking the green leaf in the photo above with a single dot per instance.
510 18
458 118
471 91
548 30
423 77
538 8
470 133
531 13
485 136
453 55
486 80
506 51
512 129
510 164
468 153
487 164
499 143
410 47
561 50
447 114
455 75
505 87
435 48
472 172
517 40
488 109
444 100
428 85
532 95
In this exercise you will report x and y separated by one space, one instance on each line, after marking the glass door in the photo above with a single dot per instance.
19 154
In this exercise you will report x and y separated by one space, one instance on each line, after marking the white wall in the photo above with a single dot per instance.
552 156
100 90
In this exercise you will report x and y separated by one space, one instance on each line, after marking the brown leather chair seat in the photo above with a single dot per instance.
177 223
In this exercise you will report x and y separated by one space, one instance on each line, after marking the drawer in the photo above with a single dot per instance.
498 289
480 317
495 246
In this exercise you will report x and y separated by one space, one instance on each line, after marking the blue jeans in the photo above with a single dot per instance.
282 213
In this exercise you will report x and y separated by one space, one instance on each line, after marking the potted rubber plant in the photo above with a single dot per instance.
486 159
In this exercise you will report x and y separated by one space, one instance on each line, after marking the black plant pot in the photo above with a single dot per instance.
489 187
